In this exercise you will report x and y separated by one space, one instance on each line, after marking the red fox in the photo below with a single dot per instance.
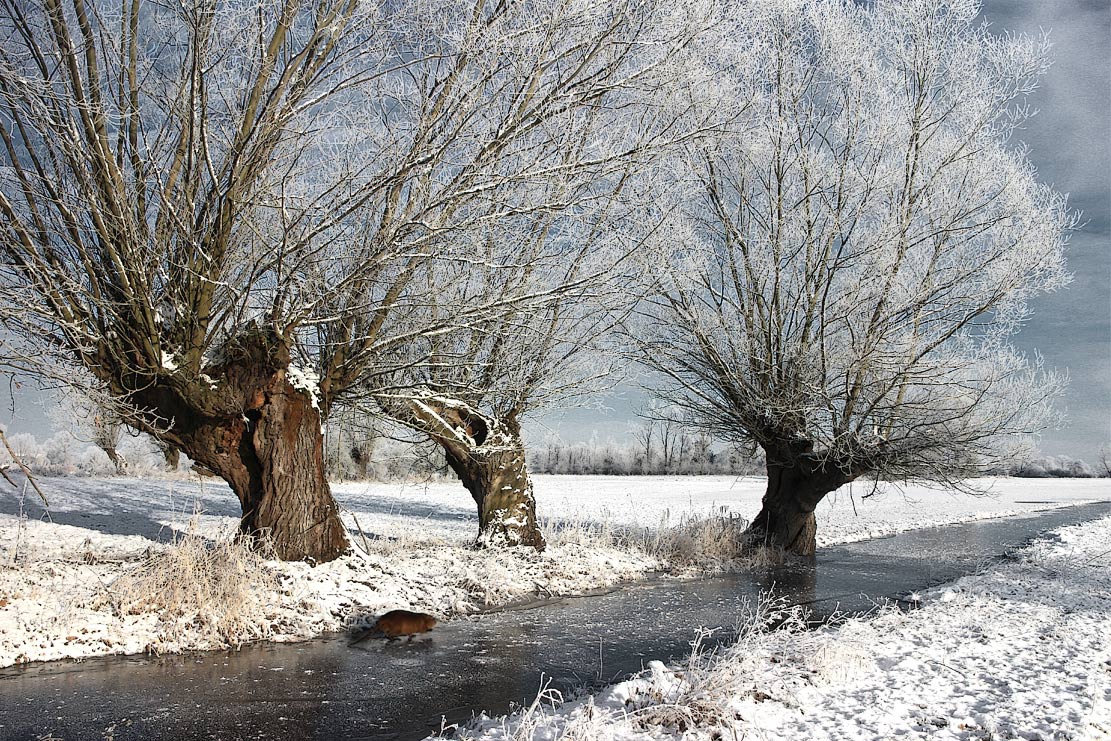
397 623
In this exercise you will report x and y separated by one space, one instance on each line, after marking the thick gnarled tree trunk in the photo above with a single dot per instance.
277 471
498 480
254 429
488 456
796 484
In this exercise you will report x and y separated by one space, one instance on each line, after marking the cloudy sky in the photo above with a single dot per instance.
1070 142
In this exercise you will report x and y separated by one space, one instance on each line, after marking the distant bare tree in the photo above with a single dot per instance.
350 440
171 455
1104 468
106 435
847 263
644 437
87 415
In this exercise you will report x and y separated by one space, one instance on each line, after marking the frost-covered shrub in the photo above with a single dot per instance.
201 591
1060 466
24 445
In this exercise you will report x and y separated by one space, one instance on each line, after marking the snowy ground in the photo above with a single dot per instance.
1022 650
123 566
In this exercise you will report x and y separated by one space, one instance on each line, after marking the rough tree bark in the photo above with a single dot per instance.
489 457
262 435
797 482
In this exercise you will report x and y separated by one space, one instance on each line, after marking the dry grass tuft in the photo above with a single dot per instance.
699 540
202 590
696 543
582 531
696 699
700 694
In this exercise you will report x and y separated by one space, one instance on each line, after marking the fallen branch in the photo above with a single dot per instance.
23 468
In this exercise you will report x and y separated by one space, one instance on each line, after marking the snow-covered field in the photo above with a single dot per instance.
1022 650
125 565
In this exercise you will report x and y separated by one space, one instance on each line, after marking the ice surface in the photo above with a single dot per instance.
1018 651
58 567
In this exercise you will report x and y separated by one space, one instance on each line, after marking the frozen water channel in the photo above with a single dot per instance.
325 689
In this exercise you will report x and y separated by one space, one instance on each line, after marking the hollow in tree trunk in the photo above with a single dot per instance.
269 448
489 457
797 482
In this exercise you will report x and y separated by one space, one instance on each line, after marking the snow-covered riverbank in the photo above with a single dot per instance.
109 570
1021 650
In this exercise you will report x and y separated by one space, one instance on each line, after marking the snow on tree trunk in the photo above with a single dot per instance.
489 457
118 461
499 482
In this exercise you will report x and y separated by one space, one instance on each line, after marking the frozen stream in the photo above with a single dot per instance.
324 689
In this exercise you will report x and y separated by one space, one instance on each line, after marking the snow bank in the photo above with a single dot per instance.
67 577
1019 651
63 595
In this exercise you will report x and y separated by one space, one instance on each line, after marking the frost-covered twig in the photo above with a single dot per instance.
23 469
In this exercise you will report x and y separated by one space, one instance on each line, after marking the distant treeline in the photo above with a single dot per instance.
1058 467
653 449
695 456
64 454
676 453
355 453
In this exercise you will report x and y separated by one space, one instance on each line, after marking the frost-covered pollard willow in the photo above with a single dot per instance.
849 258
484 380
233 216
